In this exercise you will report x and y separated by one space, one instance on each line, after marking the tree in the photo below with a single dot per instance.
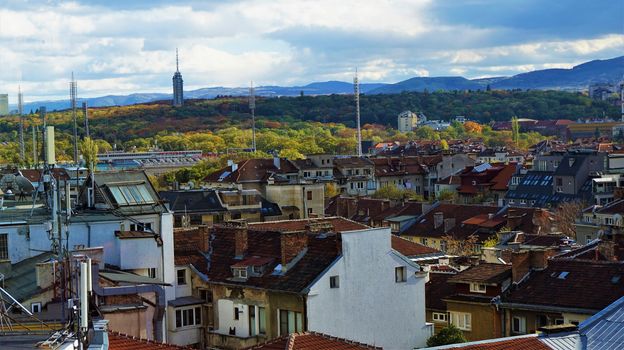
565 216
89 150
447 335
473 128
446 195
331 190
460 247
444 145
515 130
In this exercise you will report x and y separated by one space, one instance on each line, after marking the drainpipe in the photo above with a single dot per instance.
88 234
127 290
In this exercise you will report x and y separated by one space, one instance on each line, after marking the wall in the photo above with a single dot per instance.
369 306
485 321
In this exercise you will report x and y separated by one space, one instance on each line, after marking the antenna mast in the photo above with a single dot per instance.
252 107
356 84
73 89
85 114
20 112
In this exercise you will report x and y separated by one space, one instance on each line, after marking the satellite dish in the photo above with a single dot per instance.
24 185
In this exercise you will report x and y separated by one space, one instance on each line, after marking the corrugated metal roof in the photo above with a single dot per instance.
605 330
558 342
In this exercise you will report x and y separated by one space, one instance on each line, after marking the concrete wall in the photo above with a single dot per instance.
369 306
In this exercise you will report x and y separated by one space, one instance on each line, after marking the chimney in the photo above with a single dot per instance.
239 230
277 162
438 219
449 223
520 265
539 258
513 219
291 244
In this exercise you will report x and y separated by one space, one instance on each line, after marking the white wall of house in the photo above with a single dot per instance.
227 320
369 306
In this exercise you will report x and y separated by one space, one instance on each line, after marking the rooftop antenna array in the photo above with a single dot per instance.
356 86
73 91
252 107
20 112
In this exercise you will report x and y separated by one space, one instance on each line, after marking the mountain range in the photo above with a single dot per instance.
576 78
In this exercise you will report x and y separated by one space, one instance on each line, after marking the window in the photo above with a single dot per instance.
439 317
252 320
4 246
461 320
290 322
423 241
131 194
541 321
181 277
240 272
477 287
144 226
261 320
310 211
205 295
309 195
400 274
518 325
559 321
35 308
151 272
334 282
559 181
188 317
236 313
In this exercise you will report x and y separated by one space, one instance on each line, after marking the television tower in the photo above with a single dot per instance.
252 107
356 84
73 91
178 85
20 112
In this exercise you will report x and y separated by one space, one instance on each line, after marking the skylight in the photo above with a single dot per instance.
131 194
563 275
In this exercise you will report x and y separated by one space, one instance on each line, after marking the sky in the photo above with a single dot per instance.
127 46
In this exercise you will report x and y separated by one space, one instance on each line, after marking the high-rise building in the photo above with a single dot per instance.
178 85
4 104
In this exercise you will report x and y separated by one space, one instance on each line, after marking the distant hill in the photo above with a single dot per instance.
574 79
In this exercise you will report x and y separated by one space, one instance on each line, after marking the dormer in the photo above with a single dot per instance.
254 266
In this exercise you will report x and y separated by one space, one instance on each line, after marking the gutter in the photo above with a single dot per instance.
547 308
136 289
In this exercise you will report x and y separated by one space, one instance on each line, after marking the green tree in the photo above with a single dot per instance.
89 150
444 145
447 335
515 130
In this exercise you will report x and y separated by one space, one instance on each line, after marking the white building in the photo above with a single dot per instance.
407 121
370 294
124 218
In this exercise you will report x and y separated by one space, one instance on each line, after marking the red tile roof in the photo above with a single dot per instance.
483 273
525 343
119 341
339 225
252 170
35 175
425 226
586 285
409 248
311 341
437 289
388 166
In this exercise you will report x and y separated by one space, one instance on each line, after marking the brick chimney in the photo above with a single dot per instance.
291 244
520 265
438 219
239 230
539 258
514 219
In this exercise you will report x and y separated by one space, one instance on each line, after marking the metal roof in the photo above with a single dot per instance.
605 330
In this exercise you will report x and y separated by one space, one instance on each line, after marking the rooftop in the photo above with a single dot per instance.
311 341
483 273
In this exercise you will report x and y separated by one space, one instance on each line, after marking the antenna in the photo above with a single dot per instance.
73 90
177 61
20 111
356 84
252 107
85 114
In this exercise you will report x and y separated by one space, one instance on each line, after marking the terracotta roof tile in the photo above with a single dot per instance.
339 225
483 273
528 343
311 341
578 284
437 289
409 248
119 341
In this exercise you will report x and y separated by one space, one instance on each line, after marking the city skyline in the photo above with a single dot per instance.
117 48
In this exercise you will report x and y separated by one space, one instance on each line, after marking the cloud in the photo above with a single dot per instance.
116 46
